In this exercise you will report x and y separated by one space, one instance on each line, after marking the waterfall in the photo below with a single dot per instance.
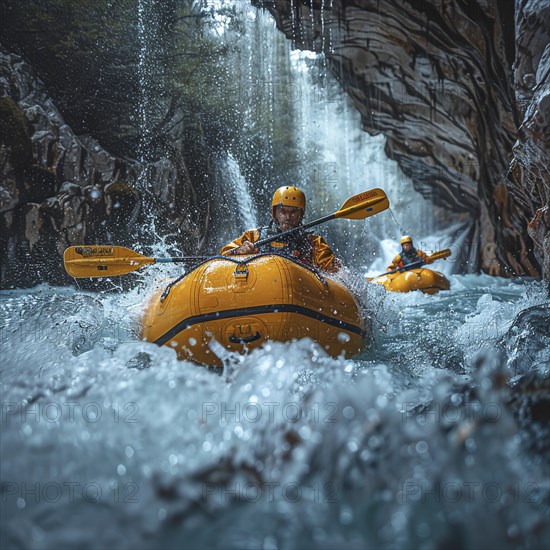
150 102
142 73
228 171
329 155
338 159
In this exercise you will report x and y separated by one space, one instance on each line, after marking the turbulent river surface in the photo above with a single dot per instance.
436 436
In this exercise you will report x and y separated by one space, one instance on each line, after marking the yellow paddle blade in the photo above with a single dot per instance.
440 254
102 261
364 205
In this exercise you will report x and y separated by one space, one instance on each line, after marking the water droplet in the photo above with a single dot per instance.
348 412
422 447
346 515
343 337
305 432
238 431
382 401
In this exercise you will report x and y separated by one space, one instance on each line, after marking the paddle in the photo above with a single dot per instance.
110 261
358 207
440 254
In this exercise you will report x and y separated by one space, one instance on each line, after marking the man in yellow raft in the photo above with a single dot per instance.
408 255
287 211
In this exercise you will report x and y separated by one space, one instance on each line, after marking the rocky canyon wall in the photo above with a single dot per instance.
436 78
58 189
530 168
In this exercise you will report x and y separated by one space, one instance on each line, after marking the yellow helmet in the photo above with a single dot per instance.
406 239
288 196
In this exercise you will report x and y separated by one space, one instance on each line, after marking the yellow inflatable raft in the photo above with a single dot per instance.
246 302
425 280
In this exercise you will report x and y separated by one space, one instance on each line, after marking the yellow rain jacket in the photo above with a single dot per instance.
320 255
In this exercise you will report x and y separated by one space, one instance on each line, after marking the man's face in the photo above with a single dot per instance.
288 217
407 247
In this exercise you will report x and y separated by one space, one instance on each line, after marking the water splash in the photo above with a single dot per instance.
287 435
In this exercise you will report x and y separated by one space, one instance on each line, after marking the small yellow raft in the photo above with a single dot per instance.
425 280
244 303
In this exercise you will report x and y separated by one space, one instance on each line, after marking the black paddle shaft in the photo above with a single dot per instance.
282 235
418 263
181 259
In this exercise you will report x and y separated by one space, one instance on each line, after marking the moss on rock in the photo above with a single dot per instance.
14 135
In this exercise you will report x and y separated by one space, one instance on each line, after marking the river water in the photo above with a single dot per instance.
430 438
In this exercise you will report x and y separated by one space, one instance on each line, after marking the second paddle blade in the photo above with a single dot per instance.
102 261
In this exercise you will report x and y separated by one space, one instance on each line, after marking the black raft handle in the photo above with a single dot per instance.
247 340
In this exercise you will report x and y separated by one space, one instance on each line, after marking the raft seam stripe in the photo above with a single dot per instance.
227 314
